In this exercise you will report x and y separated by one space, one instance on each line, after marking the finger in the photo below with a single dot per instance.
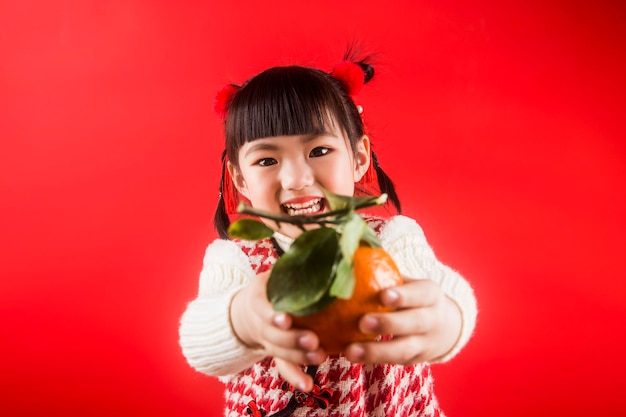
414 293
416 321
293 374
314 357
290 338
296 355
306 339
282 320
405 350
295 346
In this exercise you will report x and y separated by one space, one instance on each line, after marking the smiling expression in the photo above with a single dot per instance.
286 174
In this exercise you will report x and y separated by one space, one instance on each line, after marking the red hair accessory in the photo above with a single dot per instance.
223 98
351 75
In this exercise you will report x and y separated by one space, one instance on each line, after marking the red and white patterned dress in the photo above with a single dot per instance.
252 383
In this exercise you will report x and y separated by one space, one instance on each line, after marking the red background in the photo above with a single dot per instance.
501 122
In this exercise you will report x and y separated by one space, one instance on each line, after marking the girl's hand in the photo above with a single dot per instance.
258 326
425 326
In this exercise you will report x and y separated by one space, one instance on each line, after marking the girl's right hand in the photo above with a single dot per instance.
258 325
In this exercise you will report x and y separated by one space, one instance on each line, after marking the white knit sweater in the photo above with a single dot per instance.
206 335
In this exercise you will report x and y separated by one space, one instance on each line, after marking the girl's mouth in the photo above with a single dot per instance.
305 208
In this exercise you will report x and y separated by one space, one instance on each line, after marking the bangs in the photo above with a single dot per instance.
285 101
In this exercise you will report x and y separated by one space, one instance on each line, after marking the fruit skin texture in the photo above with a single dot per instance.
337 325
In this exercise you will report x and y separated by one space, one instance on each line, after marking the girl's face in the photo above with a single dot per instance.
286 174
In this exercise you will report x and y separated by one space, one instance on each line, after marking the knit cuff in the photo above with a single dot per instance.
406 243
206 335
466 302
208 340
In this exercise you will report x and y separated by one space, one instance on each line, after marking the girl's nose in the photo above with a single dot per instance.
296 175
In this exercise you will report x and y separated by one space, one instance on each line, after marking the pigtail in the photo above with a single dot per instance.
354 53
385 185
226 201
353 72
368 71
221 219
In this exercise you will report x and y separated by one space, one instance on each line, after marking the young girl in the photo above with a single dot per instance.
290 133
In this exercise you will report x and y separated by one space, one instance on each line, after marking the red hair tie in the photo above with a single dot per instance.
351 75
223 98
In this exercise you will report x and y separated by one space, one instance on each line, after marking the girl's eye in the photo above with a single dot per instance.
319 151
266 162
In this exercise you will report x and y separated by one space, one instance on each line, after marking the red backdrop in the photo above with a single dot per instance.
502 123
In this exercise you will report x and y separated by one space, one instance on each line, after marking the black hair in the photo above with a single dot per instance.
292 100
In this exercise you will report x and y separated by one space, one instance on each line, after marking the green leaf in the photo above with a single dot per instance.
344 282
369 236
351 235
319 305
249 229
368 201
340 202
302 276
337 202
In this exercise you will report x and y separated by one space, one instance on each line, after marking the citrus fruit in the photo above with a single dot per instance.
331 275
337 324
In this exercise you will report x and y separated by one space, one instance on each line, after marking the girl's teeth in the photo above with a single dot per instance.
300 209
301 212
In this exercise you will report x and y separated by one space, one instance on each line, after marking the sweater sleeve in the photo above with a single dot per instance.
206 336
404 239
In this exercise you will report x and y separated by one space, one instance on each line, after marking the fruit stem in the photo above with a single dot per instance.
331 217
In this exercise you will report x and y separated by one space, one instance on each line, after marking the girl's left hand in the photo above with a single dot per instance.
425 326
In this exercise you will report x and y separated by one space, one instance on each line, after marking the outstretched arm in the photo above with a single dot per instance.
436 307
231 324
206 335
